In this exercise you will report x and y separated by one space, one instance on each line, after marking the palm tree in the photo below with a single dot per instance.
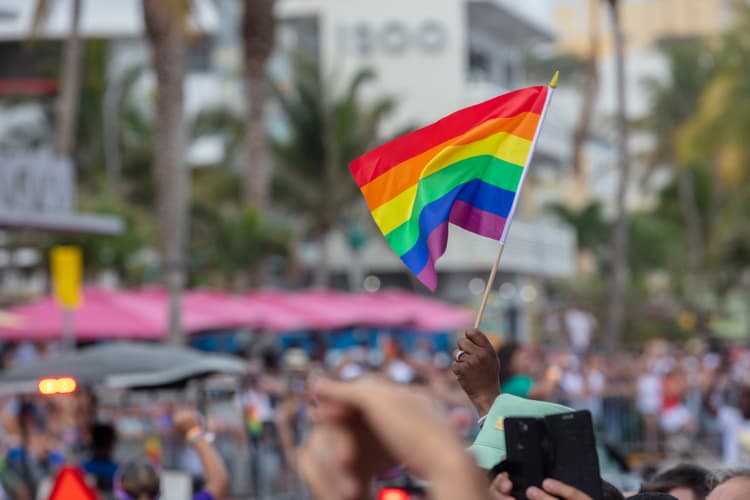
589 93
165 28
232 246
258 31
716 135
326 131
672 102
590 226
68 103
615 307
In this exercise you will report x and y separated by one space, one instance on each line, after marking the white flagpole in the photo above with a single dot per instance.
506 229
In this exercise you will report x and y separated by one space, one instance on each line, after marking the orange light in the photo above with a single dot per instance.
393 494
64 385
48 386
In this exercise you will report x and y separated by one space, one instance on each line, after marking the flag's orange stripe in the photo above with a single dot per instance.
373 164
407 173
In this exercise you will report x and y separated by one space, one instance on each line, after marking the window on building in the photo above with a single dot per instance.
480 66
303 37
199 55
509 74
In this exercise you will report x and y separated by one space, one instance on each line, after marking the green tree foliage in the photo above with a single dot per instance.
715 136
592 230
326 130
125 254
88 154
674 99
717 132
229 241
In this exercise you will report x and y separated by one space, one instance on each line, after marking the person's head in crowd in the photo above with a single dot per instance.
296 360
732 485
101 465
684 482
138 480
514 370
103 441
29 420
511 358
609 492
270 361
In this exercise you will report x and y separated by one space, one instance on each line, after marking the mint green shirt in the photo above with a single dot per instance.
518 385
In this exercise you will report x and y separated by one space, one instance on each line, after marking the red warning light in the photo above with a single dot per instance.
51 386
393 494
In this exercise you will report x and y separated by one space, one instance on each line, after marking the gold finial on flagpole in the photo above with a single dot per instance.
553 82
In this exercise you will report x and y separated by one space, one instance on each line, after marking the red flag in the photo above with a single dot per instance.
71 485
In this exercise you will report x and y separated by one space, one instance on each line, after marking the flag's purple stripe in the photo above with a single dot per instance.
476 220
436 243
428 277
475 193
463 215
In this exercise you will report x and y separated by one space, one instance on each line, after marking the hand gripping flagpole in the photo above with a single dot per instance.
493 271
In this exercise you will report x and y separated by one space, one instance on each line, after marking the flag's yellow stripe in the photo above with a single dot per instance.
504 146
404 175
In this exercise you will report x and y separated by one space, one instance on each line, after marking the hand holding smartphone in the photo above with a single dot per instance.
561 447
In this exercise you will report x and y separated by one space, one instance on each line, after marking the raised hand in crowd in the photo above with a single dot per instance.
477 369
364 427
188 423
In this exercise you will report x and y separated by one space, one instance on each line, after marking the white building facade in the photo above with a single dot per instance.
433 56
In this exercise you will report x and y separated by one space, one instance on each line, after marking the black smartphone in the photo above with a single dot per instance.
560 447
573 447
525 440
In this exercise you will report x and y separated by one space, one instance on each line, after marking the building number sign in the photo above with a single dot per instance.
36 183
393 38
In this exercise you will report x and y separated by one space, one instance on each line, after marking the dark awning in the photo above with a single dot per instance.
121 365
67 223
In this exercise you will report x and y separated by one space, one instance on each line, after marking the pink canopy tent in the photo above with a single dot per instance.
321 309
425 314
142 314
104 314
313 309
267 310
220 309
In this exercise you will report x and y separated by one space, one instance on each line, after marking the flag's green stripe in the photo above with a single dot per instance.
487 168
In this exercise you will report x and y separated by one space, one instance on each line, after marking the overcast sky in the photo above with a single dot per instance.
539 10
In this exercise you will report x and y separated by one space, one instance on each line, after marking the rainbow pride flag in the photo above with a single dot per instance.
466 169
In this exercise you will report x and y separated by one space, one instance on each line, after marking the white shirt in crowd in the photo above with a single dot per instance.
649 394
736 437
581 327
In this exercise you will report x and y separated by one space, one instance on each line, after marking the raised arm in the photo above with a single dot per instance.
188 423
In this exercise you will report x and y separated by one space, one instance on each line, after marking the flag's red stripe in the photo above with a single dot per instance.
408 173
380 160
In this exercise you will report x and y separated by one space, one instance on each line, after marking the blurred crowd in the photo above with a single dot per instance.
651 407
